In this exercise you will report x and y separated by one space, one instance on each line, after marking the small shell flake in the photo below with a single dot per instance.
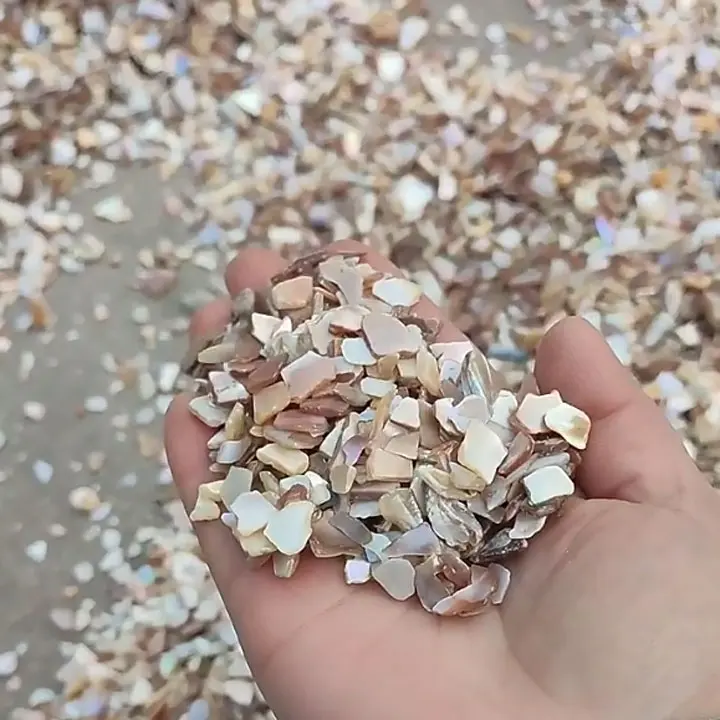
351 436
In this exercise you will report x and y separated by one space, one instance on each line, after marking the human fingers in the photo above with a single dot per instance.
210 319
252 269
633 453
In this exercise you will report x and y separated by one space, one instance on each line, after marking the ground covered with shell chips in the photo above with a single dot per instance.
512 197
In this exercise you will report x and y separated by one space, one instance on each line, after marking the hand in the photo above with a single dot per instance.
613 612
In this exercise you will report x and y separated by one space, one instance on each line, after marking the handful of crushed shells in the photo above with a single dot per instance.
344 426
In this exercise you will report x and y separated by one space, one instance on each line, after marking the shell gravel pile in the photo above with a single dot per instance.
344 425
511 197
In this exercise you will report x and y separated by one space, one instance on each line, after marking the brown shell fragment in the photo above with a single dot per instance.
293 294
242 369
296 421
336 427
428 586
307 264
295 493
453 568
473 599
520 451
328 541
263 376
430 433
289 439
328 407
465 479
352 395
373 490
429 326
406 445
304 375
269 401
428 372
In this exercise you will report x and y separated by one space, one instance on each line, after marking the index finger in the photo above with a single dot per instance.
633 454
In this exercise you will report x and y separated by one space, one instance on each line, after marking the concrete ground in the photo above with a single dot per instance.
67 369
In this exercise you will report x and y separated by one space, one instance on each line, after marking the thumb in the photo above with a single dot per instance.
633 453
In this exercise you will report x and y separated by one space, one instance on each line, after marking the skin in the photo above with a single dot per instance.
612 613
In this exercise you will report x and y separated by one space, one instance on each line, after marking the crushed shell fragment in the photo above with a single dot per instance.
570 423
253 512
350 435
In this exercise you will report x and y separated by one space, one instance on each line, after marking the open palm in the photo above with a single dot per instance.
612 612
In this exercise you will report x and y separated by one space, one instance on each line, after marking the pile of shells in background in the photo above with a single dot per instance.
343 424
512 193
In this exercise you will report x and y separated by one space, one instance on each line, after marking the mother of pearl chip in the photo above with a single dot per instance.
290 528
253 512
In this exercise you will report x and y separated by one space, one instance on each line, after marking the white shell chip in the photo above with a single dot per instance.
481 451
253 512
547 484
570 423
289 529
